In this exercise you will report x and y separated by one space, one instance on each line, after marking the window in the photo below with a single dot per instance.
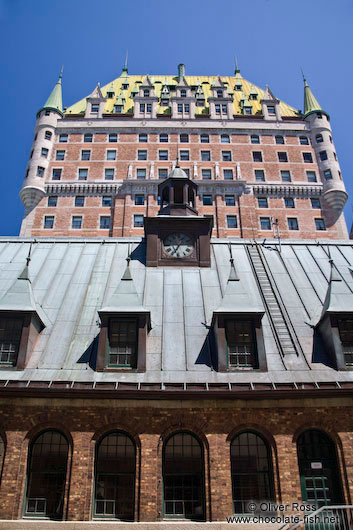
88 138
110 95
328 174
142 107
207 200
253 96
107 200
141 155
63 138
271 110
240 344
163 138
255 139
44 152
308 158
115 477
184 155
119 108
206 174
48 222
31 154
95 107
162 173
320 225
139 200
286 176
79 201
205 138
108 173
184 138
180 107
47 113
76 223
247 110
315 203
335 156
187 107
304 140
47 467
232 221
60 155
141 173
323 155
225 139
104 222
292 223
138 220
311 176
319 115
143 138
259 175
279 139
228 174
229 200
265 223
238 87
163 155
56 175
10 337
345 328
111 154
47 135
289 202
319 138
217 108
257 156
252 475
226 156
282 157
183 478
224 109
86 155
146 93
205 156
52 200
262 202
113 138
82 174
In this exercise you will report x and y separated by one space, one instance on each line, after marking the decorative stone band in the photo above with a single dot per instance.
83 188
279 190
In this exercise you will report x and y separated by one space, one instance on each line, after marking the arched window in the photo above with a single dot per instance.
114 495
183 478
252 476
319 470
47 466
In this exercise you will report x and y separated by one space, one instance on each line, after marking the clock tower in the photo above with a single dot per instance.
178 236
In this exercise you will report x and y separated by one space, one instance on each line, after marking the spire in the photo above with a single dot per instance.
125 64
311 104
54 101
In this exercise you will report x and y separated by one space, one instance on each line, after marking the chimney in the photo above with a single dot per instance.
181 71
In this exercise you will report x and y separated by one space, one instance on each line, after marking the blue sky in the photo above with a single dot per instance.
272 39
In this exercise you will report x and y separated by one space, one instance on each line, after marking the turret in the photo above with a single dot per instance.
319 123
33 188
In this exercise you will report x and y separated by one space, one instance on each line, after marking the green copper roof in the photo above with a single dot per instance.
311 104
55 101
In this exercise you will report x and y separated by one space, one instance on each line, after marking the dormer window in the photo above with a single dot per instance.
110 95
183 93
200 102
241 343
253 97
125 86
238 87
345 329
146 93
94 107
271 110
247 110
10 338
122 343
219 93
118 109
164 102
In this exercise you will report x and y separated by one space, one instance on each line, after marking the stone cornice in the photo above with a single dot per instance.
84 188
287 190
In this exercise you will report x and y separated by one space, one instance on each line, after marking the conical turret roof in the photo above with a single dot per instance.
311 104
54 101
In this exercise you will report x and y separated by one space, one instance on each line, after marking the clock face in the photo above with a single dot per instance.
178 245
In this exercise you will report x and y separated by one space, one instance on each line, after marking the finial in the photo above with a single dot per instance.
28 259
61 73
127 273
237 71
125 64
304 78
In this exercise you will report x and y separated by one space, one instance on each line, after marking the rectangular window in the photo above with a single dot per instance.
122 349
56 175
255 139
229 200
60 155
108 173
143 138
88 138
345 329
311 176
138 220
323 155
226 156
217 108
289 202
232 221
141 173
107 201
142 107
118 109
113 138
224 109
10 337
149 107
315 203
52 200
163 138
104 222
257 156
180 108
47 135
82 174
259 175
76 223
225 139
262 202
304 140
40 171
162 173
206 174
207 200
240 344
95 107
328 174
111 154
44 152
308 158
141 155
86 154
184 155
48 221
292 223
271 110
184 138
146 93
63 138
205 156
205 138
79 201
163 155
286 176
265 223
279 139
139 200
228 174
320 224
282 157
